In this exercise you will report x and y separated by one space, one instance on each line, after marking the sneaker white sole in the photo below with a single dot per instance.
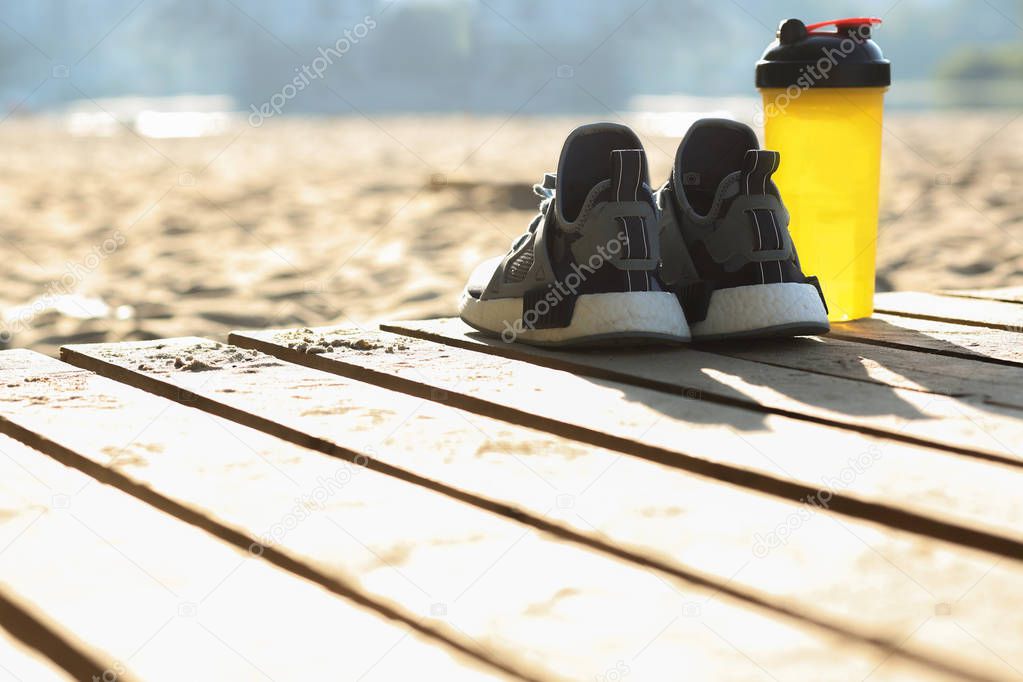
597 319
763 310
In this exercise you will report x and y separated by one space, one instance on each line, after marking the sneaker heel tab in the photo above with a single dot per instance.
628 174
758 165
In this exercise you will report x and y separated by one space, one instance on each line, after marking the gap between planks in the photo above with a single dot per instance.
39 634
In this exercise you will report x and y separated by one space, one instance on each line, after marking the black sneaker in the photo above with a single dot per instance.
725 244
586 269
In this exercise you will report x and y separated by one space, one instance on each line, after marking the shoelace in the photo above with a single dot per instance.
544 190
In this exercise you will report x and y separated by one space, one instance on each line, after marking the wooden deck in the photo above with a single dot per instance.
419 500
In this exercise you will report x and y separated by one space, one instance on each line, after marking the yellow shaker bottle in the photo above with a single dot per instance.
823 97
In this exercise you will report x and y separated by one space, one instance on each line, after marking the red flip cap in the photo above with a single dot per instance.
842 23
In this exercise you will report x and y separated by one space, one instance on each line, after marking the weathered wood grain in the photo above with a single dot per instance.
957 424
548 608
978 312
138 593
775 454
981 344
659 514
1008 294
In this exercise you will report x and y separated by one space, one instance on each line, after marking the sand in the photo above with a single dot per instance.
312 222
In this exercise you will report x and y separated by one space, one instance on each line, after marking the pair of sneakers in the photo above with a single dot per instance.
609 260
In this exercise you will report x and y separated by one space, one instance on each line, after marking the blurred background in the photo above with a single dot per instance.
188 167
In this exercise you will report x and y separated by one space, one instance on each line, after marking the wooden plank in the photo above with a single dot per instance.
766 452
993 346
976 312
148 596
547 608
896 367
1007 294
947 422
651 513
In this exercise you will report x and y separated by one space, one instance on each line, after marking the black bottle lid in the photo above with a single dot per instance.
808 57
